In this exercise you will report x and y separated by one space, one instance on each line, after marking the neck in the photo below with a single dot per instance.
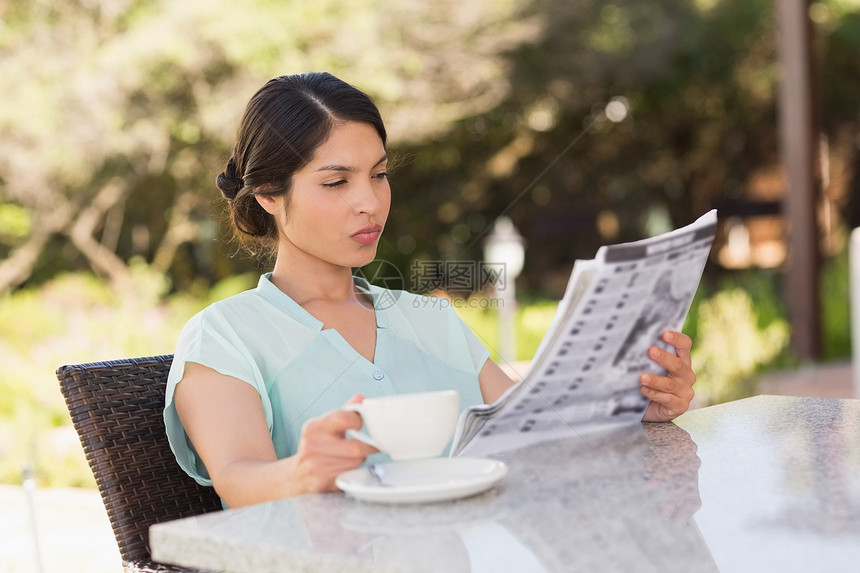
306 279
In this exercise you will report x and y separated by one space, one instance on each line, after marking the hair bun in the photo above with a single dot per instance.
229 181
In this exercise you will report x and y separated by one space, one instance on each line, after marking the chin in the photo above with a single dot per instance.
362 263
365 260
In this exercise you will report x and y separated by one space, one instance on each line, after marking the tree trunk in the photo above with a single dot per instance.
17 268
101 259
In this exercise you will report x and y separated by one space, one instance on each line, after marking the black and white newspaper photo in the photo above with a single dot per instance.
584 376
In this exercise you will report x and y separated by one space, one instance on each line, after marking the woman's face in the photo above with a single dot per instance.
338 203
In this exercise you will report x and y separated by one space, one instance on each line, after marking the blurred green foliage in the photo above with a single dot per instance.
77 318
734 341
835 311
533 319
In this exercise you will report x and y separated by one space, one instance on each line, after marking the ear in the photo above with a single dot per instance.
272 205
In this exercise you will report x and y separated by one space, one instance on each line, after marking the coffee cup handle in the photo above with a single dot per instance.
355 434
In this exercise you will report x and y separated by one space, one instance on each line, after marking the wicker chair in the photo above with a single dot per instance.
116 409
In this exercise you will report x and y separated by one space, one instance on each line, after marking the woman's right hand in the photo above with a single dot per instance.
324 452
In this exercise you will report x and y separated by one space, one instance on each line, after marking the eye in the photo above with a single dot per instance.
383 175
335 184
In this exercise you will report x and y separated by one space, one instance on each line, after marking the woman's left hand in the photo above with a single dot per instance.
671 394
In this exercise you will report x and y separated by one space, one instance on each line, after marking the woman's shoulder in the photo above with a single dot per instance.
243 300
243 305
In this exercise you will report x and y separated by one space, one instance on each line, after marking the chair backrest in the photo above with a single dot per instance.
116 408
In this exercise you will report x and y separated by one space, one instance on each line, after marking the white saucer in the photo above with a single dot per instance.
417 481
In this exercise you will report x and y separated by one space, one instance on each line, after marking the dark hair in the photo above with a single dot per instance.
284 123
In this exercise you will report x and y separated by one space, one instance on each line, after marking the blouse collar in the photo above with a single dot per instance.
275 295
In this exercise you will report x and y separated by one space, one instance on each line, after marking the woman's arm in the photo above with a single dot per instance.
670 395
224 419
493 381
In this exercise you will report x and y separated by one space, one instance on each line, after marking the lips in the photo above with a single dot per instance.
367 234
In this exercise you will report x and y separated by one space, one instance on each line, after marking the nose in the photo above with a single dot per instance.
366 201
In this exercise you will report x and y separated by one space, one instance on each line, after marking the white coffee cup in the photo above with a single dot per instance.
409 426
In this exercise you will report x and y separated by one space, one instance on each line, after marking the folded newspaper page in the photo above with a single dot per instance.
584 376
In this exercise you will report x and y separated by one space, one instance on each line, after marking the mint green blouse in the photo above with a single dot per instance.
263 337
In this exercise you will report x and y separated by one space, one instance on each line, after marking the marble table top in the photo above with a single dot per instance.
762 484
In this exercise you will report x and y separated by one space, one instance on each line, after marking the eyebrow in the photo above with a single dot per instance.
335 167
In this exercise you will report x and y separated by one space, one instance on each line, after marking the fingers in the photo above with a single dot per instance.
324 452
654 384
320 461
667 391
680 341
332 427
338 421
335 449
664 407
678 365
670 395
334 423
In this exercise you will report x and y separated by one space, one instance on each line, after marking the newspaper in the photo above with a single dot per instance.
584 376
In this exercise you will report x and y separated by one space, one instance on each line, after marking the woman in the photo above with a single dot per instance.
258 379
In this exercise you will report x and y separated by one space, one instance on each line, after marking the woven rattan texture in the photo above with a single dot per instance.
116 409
